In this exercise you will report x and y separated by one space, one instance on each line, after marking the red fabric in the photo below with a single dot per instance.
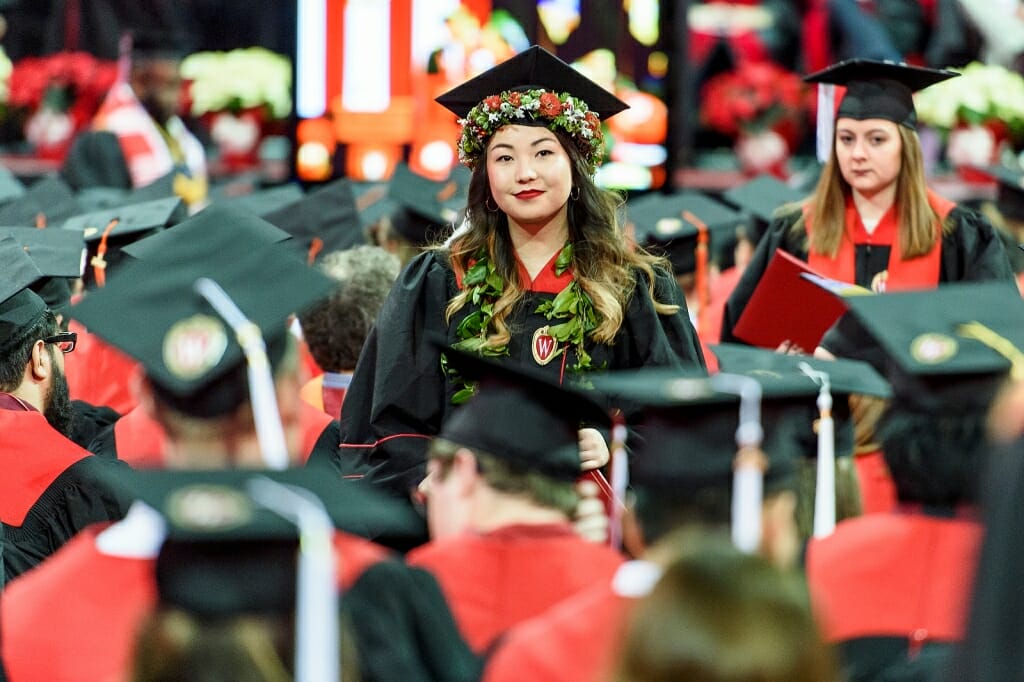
711 322
578 639
13 402
877 491
312 423
75 616
916 273
32 455
496 580
546 282
817 52
324 398
100 374
140 439
894 575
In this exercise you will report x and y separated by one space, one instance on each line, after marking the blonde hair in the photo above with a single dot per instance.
917 219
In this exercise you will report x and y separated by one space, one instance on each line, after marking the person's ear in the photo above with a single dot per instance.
40 362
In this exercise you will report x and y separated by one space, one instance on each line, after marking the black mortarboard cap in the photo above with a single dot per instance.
533 68
685 436
20 307
58 254
660 225
189 353
780 374
945 349
222 228
879 89
96 159
420 214
225 553
372 201
49 197
323 220
134 222
93 199
11 187
521 416
161 188
263 202
759 198
1010 190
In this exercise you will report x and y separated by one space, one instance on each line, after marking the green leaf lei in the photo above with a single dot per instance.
485 286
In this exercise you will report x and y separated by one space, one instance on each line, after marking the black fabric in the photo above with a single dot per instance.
89 420
104 442
971 251
326 444
403 628
398 387
96 160
890 659
74 500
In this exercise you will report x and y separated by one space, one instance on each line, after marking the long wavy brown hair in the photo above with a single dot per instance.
603 263
917 219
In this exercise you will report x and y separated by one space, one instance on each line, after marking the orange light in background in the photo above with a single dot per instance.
371 162
315 145
645 122
433 158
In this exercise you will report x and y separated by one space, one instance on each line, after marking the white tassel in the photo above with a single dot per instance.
826 120
825 484
748 472
316 609
266 415
620 480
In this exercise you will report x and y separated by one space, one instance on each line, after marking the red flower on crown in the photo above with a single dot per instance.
493 102
549 105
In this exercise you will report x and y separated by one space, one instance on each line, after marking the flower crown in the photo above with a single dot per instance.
557 111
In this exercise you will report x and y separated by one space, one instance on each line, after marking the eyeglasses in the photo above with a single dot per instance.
65 341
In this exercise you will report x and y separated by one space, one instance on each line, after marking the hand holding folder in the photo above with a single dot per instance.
792 303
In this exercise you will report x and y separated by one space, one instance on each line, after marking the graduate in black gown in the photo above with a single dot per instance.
540 273
872 219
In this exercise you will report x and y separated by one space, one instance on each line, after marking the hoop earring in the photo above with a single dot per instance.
487 205
574 193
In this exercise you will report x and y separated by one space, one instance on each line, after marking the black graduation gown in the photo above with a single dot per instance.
971 251
399 397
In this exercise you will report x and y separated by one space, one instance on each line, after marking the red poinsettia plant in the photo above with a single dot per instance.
756 97
66 82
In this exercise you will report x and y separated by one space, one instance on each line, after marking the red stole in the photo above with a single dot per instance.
140 440
877 491
917 273
100 374
894 575
32 455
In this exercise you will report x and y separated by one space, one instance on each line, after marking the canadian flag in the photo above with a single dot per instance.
143 146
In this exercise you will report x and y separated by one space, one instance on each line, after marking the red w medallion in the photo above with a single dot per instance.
545 347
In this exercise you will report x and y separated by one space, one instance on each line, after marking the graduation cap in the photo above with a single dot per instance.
96 159
322 221
191 354
531 69
946 349
421 215
58 254
520 416
663 224
879 89
11 187
1009 191
20 307
759 198
93 199
49 201
263 202
372 201
223 228
161 188
109 231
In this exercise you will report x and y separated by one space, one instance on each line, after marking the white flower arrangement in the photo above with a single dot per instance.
984 93
239 79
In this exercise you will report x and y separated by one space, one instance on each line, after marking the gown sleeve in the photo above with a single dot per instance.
972 250
398 396
780 235
649 338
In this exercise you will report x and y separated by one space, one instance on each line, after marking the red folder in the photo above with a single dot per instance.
786 306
